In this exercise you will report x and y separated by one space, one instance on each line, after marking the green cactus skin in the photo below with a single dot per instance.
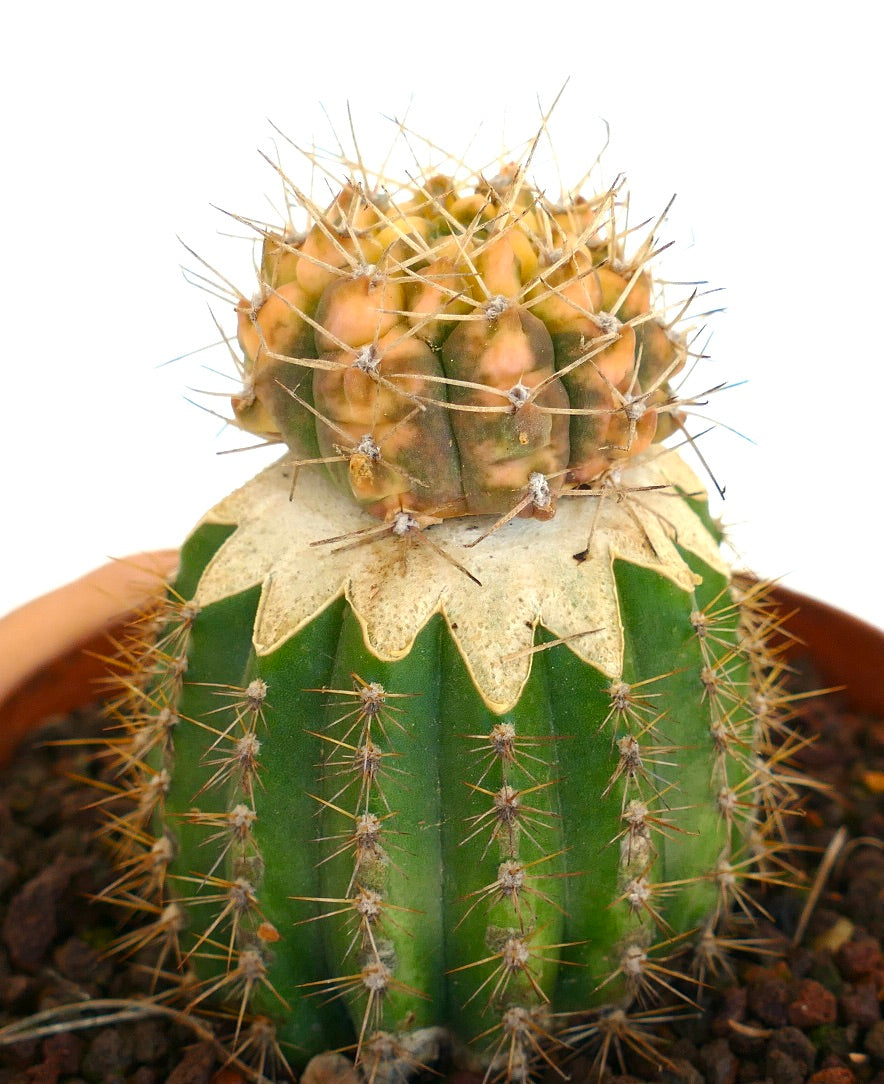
472 779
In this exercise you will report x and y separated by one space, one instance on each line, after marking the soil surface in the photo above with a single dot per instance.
807 1007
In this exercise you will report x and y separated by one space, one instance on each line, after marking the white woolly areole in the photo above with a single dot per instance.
528 572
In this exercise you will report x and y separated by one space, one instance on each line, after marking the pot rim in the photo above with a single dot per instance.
51 647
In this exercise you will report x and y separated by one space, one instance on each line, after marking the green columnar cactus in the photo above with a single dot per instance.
455 728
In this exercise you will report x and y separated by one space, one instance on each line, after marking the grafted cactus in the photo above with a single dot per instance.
453 729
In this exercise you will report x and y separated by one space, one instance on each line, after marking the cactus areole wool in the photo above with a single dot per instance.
453 729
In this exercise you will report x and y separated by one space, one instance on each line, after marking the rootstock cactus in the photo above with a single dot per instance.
454 731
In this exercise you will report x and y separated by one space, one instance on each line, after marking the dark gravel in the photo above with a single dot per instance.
810 1013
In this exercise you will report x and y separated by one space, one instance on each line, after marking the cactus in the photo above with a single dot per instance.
454 728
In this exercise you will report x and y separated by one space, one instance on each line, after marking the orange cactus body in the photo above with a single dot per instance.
442 350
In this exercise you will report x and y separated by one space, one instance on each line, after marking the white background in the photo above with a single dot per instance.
124 123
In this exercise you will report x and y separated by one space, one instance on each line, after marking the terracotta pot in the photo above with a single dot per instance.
49 646
842 649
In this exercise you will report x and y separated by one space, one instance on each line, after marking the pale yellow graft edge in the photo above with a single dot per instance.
528 572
